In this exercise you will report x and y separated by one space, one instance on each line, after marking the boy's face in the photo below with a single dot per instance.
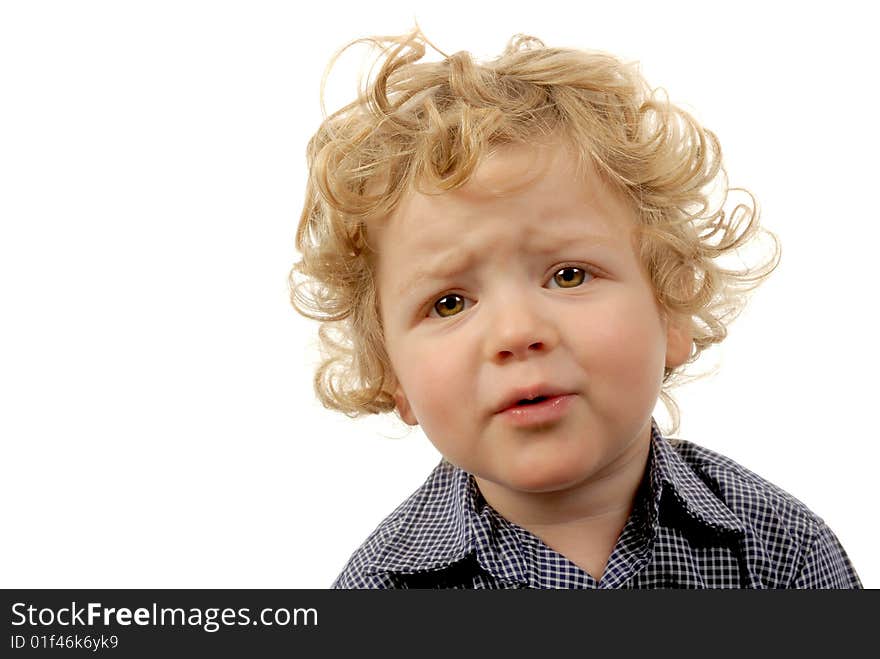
525 278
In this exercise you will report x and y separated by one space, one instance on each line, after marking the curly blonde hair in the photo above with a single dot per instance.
433 122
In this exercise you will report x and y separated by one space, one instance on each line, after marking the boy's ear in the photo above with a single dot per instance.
403 407
679 340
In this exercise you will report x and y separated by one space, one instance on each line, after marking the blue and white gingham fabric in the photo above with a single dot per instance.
700 521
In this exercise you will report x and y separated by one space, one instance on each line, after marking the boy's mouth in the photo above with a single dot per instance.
531 401
530 395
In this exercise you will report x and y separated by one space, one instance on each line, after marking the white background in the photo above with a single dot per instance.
157 417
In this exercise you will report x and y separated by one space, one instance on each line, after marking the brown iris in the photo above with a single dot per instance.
449 305
569 277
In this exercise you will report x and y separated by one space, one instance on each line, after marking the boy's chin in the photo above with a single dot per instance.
541 480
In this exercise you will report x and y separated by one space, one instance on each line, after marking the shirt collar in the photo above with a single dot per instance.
670 473
434 528
431 529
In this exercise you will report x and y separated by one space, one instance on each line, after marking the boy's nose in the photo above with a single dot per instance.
518 333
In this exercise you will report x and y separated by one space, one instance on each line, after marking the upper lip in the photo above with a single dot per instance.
527 393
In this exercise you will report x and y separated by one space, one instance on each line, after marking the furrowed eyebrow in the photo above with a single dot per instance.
427 273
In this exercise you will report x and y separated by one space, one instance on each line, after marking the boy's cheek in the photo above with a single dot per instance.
434 382
635 363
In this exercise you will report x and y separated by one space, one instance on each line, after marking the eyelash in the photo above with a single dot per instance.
588 270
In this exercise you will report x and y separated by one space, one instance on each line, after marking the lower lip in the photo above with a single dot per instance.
544 412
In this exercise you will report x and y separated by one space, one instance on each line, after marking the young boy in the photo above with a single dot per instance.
520 257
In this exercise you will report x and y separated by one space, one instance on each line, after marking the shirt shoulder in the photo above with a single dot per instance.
426 531
749 496
790 545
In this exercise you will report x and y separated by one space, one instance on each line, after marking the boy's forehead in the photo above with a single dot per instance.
499 173
547 176
507 169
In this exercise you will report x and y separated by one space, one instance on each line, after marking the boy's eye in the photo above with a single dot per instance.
449 305
569 277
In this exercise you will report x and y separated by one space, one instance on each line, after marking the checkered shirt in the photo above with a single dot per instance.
700 520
